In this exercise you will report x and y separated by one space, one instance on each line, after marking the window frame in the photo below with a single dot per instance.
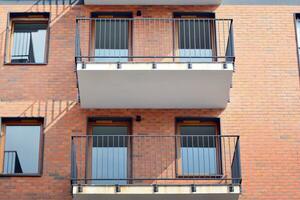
25 18
197 122
297 25
22 122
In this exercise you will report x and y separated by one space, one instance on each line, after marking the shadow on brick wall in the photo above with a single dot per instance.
57 8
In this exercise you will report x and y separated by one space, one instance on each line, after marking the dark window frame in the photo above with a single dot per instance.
29 18
23 122
297 23
198 121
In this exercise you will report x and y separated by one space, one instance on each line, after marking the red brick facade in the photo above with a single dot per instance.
264 106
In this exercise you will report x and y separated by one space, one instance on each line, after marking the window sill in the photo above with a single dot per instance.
20 175
25 63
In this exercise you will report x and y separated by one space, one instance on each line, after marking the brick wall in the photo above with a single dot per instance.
264 108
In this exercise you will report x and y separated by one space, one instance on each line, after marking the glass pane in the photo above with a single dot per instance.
195 40
109 154
198 161
198 136
22 144
198 150
195 34
111 40
29 42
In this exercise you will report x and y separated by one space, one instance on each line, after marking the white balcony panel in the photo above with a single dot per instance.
170 85
166 192
153 2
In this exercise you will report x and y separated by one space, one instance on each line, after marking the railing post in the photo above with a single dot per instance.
6 39
73 162
77 42
86 163
229 56
236 164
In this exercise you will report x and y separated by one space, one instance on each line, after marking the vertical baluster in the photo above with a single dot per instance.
203 154
193 159
200 37
120 39
208 152
225 155
209 36
219 38
224 43
188 152
230 155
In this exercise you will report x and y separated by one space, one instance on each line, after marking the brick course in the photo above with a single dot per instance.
264 108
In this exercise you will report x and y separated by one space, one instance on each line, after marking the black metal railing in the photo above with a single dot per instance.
155 159
12 163
154 40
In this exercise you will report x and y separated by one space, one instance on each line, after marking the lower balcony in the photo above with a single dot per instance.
181 167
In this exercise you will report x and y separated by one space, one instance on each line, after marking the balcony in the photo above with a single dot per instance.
156 167
154 63
152 2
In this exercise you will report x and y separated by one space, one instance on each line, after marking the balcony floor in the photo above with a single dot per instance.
165 192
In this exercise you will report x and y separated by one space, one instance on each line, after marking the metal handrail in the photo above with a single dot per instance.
164 40
155 159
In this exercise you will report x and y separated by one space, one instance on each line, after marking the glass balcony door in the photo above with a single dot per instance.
111 37
109 154
199 152
196 33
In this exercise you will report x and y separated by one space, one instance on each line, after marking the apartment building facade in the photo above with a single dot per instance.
149 99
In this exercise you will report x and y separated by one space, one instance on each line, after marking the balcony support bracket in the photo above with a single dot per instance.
118 189
118 65
193 188
154 66
79 188
230 188
155 188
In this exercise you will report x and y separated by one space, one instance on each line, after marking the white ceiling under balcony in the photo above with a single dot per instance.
153 2
170 85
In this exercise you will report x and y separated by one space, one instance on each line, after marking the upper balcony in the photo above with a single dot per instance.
153 2
154 63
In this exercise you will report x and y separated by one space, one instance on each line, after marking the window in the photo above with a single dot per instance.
198 149
196 36
28 38
298 33
109 150
21 147
111 37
